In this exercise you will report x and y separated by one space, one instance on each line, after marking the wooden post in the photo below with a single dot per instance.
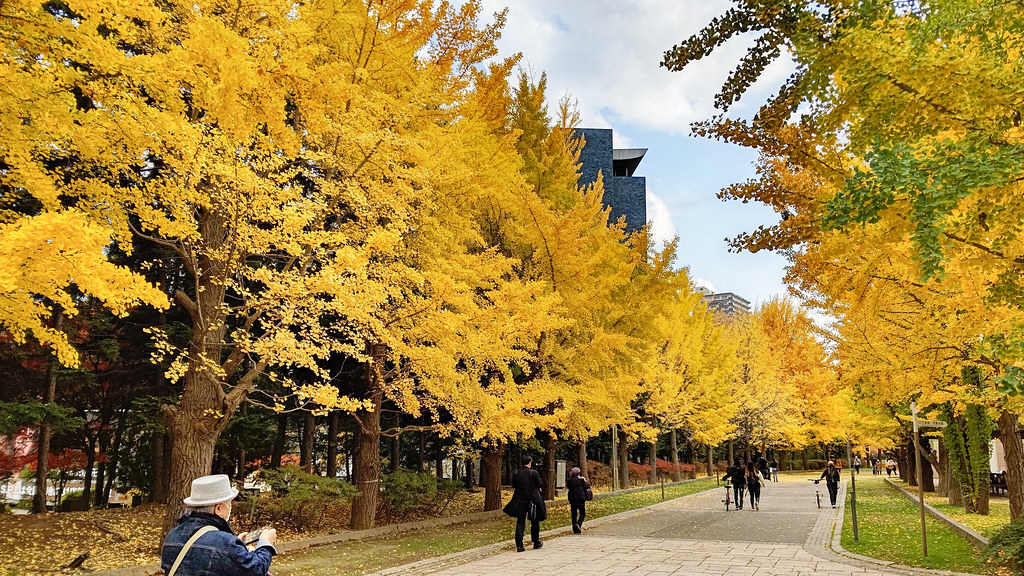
920 485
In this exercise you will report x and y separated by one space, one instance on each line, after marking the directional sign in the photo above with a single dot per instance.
931 424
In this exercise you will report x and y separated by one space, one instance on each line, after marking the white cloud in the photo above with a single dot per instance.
606 54
660 217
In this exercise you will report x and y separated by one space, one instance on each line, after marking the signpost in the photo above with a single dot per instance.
918 424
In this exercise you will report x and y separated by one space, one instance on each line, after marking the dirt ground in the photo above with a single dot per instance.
44 544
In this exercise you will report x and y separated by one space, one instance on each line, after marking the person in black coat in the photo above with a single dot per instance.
526 483
578 488
736 475
831 477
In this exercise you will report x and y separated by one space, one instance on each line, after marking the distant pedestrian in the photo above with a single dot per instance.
526 483
579 493
735 476
762 465
754 481
874 466
831 477
890 466
775 469
856 464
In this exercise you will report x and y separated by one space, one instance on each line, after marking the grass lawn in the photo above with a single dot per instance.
360 557
890 529
998 513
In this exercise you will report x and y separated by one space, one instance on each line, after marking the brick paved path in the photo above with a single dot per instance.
692 535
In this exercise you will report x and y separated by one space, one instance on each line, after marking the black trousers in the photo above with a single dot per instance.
521 528
737 491
833 490
755 493
579 512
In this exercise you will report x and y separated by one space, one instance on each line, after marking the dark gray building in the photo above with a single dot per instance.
624 193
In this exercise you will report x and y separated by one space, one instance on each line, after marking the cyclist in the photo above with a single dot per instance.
735 475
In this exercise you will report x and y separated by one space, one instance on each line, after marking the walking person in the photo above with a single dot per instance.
579 493
831 477
775 469
856 464
890 466
526 483
754 481
203 542
735 475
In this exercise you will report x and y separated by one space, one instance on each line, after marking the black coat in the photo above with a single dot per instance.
736 475
577 486
831 477
527 489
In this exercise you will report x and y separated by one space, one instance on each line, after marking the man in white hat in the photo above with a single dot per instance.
203 542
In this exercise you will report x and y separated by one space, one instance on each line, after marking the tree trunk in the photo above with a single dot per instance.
332 444
115 457
279 441
614 460
732 451
652 460
439 459
368 465
674 453
396 446
624 460
711 461
156 469
903 464
945 472
468 479
43 446
581 458
803 459
197 423
491 472
548 442
421 456
90 465
1013 449
306 445
101 472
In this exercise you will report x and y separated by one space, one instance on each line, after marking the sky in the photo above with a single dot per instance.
605 55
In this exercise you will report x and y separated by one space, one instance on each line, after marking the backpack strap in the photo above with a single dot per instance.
184 549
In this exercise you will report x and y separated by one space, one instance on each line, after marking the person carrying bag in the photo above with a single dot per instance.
525 497
579 493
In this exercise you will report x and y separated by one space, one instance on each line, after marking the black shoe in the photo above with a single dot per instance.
576 529
520 549
537 545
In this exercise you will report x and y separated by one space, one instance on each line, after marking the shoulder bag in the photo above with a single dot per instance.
184 549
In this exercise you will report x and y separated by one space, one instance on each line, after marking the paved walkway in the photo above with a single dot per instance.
694 535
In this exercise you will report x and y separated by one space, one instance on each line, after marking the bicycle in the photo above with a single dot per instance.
817 493
728 498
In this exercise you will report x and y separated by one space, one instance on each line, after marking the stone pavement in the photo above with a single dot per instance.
692 535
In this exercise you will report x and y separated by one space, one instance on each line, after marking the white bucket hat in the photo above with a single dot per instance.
210 490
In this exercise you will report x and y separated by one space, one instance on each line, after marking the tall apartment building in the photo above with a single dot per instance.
624 193
725 302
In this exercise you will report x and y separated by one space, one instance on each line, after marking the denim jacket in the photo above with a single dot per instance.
216 553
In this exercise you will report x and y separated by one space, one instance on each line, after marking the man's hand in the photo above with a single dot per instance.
270 535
